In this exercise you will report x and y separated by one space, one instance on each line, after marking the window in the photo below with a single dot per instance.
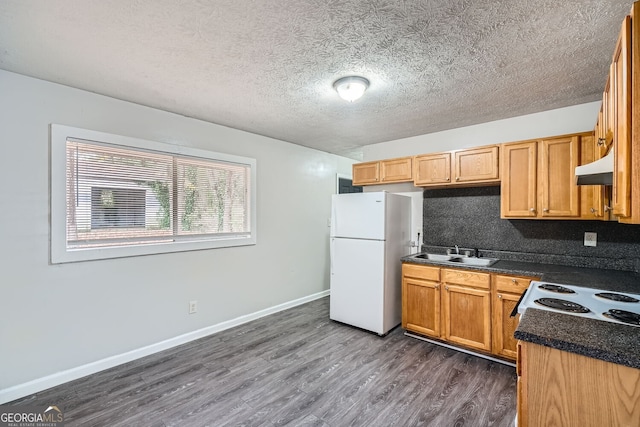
115 196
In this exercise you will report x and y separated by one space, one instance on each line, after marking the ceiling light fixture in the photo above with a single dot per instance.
351 88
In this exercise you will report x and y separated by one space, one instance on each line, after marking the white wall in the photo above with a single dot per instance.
57 317
574 119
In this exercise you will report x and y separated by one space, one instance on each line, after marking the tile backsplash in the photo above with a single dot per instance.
470 218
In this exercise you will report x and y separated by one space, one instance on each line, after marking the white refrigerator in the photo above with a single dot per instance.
370 232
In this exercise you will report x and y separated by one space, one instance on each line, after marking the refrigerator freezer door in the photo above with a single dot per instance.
358 215
357 283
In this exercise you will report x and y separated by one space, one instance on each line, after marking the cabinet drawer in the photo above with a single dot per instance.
512 284
466 278
421 272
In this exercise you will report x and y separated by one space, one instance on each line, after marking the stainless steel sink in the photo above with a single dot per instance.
459 259
484 262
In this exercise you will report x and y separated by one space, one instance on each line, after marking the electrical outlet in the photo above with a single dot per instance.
193 307
590 239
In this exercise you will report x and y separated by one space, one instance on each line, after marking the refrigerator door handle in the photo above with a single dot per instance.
331 250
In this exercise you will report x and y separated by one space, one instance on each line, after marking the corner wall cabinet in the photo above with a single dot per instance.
468 308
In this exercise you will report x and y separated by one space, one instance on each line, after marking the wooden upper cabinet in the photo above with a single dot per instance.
538 179
606 123
472 166
559 194
366 173
476 165
591 196
396 170
383 171
621 86
518 195
432 169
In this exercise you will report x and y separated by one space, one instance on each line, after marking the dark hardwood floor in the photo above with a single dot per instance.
295 367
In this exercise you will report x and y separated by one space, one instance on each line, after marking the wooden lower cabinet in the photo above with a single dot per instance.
421 306
465 307
467 316
507 292
504 344
558 388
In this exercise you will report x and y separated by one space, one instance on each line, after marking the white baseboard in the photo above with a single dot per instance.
40 384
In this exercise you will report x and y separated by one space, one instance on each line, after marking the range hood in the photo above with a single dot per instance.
599 172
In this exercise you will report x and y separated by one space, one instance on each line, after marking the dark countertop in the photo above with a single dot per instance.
611 342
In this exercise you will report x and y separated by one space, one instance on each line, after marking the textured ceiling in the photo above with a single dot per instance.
268 66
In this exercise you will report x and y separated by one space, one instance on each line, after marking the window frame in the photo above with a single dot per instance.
59 253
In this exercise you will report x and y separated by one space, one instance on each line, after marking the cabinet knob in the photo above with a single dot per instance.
457 178
448 179
607 208
514 280
499 296
545 210
532 210
601 141
446 288
593 210
437 286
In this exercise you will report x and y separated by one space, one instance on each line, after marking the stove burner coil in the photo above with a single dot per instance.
617 297
623 316
563 305
556 288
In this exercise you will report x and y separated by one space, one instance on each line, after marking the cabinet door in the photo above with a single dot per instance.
608 111
521 386
366 173
421 306
396 170
568 389
432 169
559 194
504 344
478 165
467 316
591 196
622 122
519 170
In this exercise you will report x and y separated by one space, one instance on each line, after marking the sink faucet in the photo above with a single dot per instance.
457 250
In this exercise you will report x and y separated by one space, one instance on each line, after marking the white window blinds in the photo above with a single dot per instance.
126 196
131 196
